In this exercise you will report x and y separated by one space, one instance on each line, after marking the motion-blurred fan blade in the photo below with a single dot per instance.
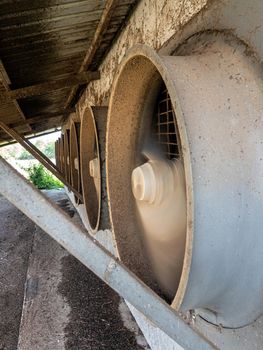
159 190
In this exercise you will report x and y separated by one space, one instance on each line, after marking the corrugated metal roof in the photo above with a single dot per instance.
48 40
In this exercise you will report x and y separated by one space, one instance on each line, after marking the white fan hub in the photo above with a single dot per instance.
76 163
94 168
144 183
152 180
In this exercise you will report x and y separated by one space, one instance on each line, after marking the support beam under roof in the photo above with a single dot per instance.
42 118
105 18
49 86
5 81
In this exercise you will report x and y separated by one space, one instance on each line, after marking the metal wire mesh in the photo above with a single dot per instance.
166 126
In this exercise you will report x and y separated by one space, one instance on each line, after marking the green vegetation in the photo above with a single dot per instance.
42 178
28 166
49 150
12 151
24 155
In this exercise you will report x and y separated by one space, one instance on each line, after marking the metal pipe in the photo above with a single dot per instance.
95 257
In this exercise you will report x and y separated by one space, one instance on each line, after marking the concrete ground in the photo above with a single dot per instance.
48 300
16 237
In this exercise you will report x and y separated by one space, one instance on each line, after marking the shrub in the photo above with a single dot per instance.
42 178
49 150
24 155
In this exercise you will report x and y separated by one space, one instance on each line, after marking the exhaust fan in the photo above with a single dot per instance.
57 156
185 175
61 155
67 155
92 162
75 158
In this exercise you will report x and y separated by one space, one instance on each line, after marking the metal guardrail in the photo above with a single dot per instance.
95 257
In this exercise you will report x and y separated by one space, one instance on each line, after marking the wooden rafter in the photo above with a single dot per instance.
49 86
41 118
107 13
4 79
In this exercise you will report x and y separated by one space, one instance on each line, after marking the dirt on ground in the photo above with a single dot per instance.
16 237
52 299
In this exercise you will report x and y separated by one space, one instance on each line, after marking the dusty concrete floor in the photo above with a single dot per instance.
16 236
66 306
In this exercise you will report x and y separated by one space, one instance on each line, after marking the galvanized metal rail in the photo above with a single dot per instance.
96 258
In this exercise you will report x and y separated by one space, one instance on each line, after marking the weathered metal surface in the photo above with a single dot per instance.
86 249
216 93
92 146
66 155
91 185
56 154
75 169
58 159
163 25
48 40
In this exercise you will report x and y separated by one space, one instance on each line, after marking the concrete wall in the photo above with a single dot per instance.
153 23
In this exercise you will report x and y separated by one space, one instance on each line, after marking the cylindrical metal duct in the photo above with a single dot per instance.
216 93
61 154
92 161
67 155
56 153
75 158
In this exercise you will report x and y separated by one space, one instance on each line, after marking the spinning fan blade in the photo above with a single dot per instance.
94 169
159 190
152 150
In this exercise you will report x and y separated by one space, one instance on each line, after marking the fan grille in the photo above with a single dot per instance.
167 134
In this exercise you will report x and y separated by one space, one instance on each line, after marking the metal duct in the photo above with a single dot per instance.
67 155
75 158
92 163
216 92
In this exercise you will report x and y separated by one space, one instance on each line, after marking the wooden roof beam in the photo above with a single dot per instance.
42 118
106 16
49 86
5 81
